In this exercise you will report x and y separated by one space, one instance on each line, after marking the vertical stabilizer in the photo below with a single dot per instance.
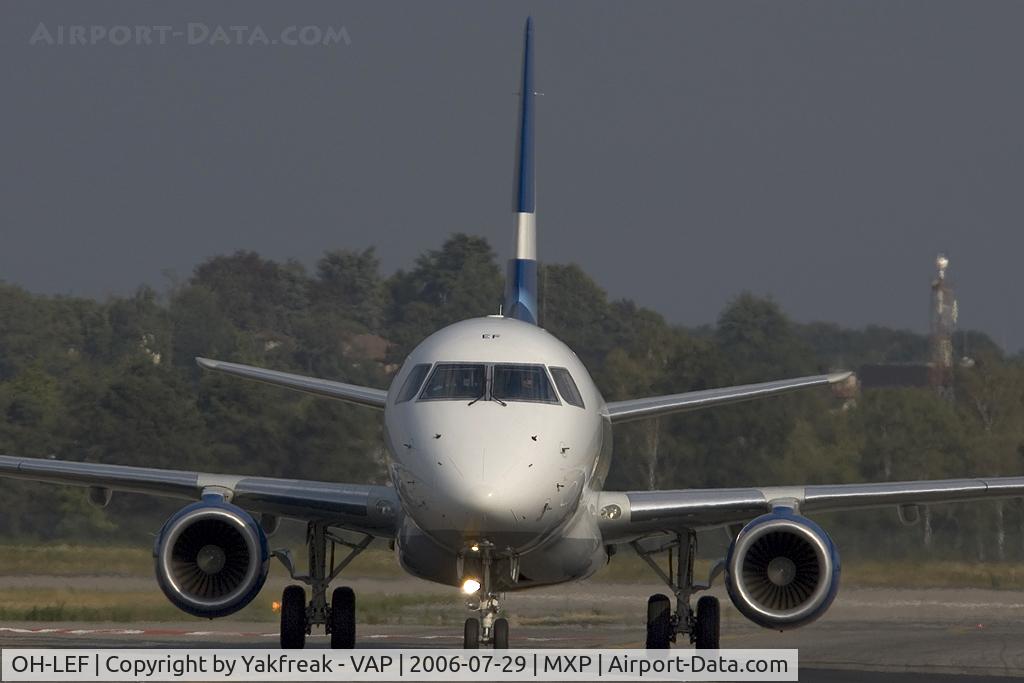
521 281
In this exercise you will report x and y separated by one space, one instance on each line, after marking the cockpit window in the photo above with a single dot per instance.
455 381
567 387
522 383
413 382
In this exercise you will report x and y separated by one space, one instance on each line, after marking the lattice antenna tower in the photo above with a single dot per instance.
944 314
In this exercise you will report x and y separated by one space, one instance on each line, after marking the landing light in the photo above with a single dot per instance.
275 606
470 586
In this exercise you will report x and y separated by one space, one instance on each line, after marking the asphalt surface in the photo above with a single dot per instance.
884 635
837 654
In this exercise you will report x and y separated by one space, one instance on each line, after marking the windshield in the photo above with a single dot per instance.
455 381
567 387
413 382
522 383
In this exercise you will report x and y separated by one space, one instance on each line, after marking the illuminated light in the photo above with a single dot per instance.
470 586
275 606
475 548
611 512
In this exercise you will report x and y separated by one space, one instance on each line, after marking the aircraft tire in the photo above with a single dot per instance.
471 634
293 618
343 618
501 634
706 630
659 622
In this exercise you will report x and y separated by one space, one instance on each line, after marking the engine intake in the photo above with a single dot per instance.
211 558
783 570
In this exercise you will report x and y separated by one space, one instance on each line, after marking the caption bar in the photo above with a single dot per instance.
397 665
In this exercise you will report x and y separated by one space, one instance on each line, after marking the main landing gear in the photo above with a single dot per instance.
700 624
489 628
338 618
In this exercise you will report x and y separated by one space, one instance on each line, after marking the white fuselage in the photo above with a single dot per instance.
519 475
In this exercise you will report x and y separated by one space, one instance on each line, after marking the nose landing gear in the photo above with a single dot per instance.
489 628
493 631
702 624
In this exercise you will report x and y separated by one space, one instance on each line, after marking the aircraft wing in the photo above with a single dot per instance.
639 513
368 509
352 393
653 406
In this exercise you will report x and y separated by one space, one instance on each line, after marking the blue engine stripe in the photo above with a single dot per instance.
521 294
525 200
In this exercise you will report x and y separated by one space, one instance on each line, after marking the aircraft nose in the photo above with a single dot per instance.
476 504
499 493
491 479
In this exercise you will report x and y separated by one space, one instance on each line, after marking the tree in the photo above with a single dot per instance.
255 294
759 341
348 283
115 381
200 327
145 415
575 309
139 327
461 280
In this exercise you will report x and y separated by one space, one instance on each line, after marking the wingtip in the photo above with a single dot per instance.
206 363
836 377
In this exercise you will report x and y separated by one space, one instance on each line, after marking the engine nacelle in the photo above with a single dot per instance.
211 558
782 570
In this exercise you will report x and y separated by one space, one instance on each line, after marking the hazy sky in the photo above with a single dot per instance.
820 152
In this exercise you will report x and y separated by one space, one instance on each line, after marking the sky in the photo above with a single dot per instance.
821 153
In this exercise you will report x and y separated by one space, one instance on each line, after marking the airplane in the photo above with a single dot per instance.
499 445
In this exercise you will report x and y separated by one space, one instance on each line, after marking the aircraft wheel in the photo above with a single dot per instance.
501 634
293 618
659 622
343 618
471 634
707 627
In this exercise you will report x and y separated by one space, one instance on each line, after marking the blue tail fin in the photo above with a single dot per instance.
521 282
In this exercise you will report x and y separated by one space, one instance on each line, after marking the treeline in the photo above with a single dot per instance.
115 381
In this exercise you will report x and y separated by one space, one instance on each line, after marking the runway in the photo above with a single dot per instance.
883 635
856 654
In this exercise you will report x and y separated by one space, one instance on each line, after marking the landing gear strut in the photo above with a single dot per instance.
489 629
702 624
339 618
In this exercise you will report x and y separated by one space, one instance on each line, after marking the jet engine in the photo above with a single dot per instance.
211 558
782 570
